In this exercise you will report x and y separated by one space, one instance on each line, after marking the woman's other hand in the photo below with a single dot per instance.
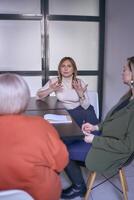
89 138
55 86
78 87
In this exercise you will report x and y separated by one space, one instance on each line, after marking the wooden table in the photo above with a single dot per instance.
49 103
65 130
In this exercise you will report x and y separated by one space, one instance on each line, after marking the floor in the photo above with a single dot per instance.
107 191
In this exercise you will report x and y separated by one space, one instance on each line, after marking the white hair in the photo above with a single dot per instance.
14 94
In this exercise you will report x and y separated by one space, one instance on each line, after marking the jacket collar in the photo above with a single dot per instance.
127 108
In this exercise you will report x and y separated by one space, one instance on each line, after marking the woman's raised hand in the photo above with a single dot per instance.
55 86
79 88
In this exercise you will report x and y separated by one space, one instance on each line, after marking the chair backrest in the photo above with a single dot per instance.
93 97
14 195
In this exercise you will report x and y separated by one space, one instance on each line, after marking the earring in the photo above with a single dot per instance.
132 84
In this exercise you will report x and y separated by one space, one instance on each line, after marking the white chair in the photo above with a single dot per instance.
14 195
93 97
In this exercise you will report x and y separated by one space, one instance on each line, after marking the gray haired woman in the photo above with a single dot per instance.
30 148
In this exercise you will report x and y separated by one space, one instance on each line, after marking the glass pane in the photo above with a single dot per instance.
20 45
76 39
92 82
74 7
20 6
34 83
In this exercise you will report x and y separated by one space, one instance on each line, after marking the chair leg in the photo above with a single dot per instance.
90 183
124 178
123 183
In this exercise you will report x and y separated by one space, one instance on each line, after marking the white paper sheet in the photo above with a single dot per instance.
57 119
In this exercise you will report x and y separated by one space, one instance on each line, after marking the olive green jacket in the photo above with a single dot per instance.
116 143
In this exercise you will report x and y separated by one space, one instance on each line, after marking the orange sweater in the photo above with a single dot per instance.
31 154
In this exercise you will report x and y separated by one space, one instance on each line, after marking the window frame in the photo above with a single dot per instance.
44 19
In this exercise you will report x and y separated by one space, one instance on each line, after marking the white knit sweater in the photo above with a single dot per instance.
67 95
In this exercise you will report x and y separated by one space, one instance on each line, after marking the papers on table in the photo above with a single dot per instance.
58 119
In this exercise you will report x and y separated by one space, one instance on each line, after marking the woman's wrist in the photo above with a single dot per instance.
51 90
82 97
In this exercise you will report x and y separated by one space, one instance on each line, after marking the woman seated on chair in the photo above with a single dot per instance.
30 148
115 144
71 91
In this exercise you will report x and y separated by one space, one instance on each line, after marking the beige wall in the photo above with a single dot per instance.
119 44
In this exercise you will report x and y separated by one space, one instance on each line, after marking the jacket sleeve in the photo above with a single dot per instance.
124 145
55 154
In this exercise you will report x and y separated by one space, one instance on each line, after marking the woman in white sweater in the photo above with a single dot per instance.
72 92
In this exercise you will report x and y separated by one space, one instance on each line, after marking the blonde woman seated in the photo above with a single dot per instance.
30 148
115 144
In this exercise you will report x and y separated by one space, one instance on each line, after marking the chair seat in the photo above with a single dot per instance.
14 195
92 176
93 96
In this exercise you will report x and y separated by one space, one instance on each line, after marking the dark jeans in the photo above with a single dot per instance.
78 149
80 115
77 153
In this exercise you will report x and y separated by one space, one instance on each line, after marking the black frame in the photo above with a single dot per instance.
44 17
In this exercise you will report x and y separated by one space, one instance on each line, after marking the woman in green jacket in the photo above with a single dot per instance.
116 142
